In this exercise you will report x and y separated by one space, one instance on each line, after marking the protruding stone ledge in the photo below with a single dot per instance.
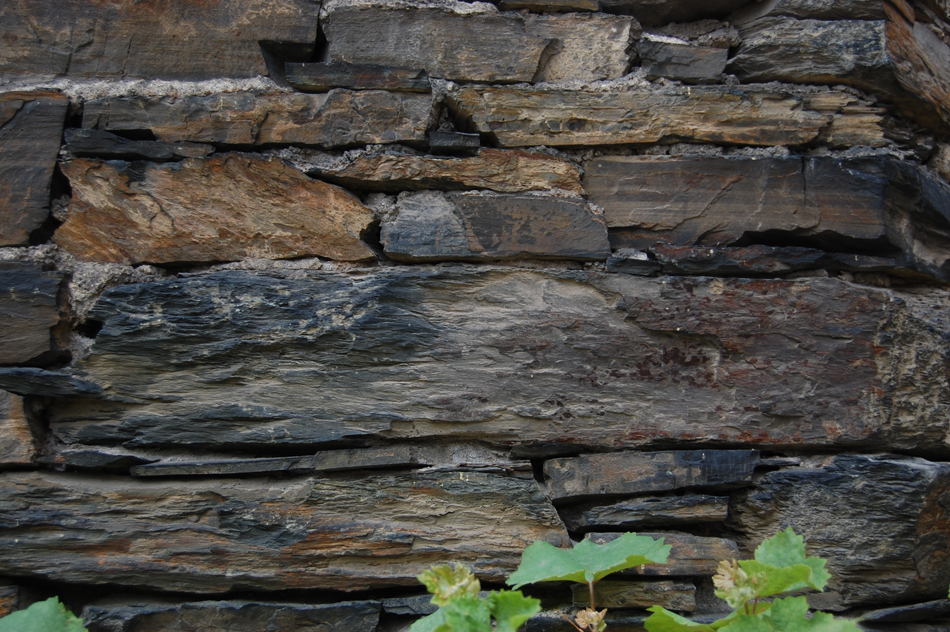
212 536
811 9
655 13
29 310
211 209
90 143
644 512
337 118
32 129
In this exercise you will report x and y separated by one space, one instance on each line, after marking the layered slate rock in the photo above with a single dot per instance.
748 115
691 64
167 40
504 171
602 360
233 616
690 555
29 309
812 9
31 128
224 208
336 118
648 511
629 473
432 226
850 52
920 52
323 77
883 526
465 42
90 143
212 536
17 446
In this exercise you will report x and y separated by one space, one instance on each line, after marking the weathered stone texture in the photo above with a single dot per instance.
519 117
504 171
880 521
29 308
336 118
584 47
233 616
602 359
659 12
217 535
167 40
323 77
637 513
629 473
430 226
224 208
17 446
31 126
678 596
812 9
690 64
90 143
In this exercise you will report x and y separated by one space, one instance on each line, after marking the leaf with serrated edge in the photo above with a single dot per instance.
43 616
511 609
430 623
586 562
785 549
466 613
662 620
774 580
790 614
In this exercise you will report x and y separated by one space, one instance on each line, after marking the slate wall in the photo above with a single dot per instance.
300 298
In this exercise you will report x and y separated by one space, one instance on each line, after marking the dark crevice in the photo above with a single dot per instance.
827 241
134 134
90 328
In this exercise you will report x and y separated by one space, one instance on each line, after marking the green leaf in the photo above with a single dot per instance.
586 562
786 549
43 616
790 614
662 620
430 623
774 580
446 582
511 609
466 613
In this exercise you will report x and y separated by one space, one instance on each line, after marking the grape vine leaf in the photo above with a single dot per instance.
662 620
787 549
586 562
790 614
447 582
466 612
511 609
43 616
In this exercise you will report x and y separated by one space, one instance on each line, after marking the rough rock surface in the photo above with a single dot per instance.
167 40
604 360
649 511
519 116
659 12
336 118
224 208
812 9
880 521
504 171
29 308
17 446
233 616
690 64
431 226
323 77
583 47
90 143
212 536
31 126
677 596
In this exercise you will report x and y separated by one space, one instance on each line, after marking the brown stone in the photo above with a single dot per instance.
16 437
323 77
750 115
9 599
336 118
167 40
504 171
233 616
608 593
433 226
920 53
690 555
880 521
227 207
629 473
31 129
649 511
28 311
583 46
211 536
527 359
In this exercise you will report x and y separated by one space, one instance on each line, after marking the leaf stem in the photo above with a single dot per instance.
593 606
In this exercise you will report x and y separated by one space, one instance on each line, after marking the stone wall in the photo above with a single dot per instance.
300 298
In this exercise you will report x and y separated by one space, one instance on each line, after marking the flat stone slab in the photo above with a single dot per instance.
324 76
235 616
609 593
432 226
29 309
500 170
332 119
690 555
80 39
90 143
313 358
208 210
644 512
628 473
881 526
690 64
211 536
31 129
811 9
747 115
17 445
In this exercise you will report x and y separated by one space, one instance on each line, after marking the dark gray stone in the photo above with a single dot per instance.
549 5
93 460
659 12
689 64
33 381
651 511
31 129
609 593
29 311
939 609
421 605
236 467
630 261
96 144
323 77
446 142
811 9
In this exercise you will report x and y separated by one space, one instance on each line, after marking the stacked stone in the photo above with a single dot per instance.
301 298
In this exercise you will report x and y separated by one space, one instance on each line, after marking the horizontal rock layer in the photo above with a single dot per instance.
239 358
31 127
90 143
336 118
29 309
217 535
227 207
323 77
167 40
649 511
812 9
